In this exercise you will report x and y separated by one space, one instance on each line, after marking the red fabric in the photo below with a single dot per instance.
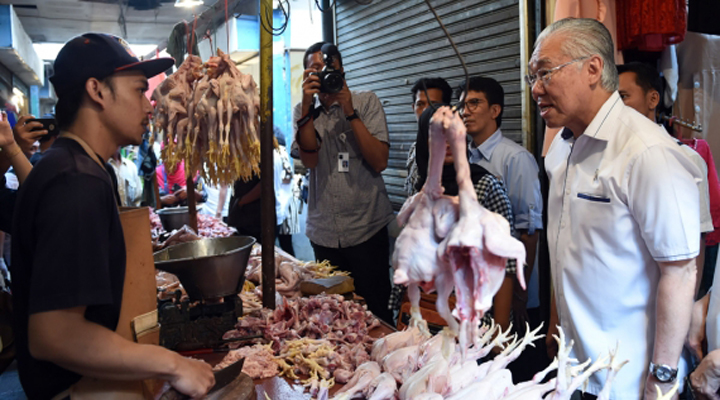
172 178
701 146
650 25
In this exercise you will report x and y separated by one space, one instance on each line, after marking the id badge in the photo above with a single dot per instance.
343 162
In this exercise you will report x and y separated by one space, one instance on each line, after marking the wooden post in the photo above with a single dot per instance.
192 204
267 187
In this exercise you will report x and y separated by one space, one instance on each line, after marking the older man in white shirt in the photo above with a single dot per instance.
622 233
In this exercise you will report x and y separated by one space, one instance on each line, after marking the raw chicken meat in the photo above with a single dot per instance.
494 386
364 376
453 242
402 362
383 387
389 343
479 243
209 112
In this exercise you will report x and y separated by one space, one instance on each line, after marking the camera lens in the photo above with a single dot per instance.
333 82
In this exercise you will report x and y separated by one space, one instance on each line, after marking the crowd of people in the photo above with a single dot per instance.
628 211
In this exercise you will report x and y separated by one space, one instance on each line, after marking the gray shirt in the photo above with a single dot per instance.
345 208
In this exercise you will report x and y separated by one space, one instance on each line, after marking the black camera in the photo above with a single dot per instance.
331 80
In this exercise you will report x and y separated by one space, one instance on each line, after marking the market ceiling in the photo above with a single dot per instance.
138 21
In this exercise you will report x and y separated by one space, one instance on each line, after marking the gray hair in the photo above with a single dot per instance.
585 37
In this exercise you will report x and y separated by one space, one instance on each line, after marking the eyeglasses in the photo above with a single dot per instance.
545 74
470 105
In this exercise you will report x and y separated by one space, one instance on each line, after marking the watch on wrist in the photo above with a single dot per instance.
663 373
352 116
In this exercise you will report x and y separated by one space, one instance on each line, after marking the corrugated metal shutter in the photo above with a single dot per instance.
389 44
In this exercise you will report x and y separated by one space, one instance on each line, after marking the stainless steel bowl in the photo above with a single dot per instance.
174 218
208 268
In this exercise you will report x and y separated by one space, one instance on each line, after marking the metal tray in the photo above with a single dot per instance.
174 217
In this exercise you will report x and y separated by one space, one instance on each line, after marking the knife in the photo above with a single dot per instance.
222 379
227 375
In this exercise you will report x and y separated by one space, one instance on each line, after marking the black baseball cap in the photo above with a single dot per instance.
98 55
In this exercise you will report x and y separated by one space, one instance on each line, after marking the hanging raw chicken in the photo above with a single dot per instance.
209 114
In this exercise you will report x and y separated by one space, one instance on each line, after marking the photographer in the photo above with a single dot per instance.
342 137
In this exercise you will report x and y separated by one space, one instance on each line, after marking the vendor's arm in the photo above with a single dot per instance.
11 153
305 136
66 338
672 313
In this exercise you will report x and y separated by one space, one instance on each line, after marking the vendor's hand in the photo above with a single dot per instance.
310 86
705 380
651 392
168 200
181 194
193 377
696 333
25 135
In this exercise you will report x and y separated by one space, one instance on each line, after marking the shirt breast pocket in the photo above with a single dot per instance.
598 198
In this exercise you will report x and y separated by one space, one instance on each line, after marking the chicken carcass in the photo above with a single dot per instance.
495 386
402 362
479 244
364 376
383 387
429 216
397 340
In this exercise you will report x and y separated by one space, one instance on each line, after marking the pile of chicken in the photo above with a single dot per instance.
289 272
209 112
322 335
411 365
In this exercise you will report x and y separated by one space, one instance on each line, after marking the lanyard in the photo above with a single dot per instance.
90 152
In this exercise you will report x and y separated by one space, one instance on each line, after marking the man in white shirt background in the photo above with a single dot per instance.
640 87
622 231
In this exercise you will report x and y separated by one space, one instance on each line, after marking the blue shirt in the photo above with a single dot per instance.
517 168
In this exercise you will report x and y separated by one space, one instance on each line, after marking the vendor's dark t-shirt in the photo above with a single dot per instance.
68 251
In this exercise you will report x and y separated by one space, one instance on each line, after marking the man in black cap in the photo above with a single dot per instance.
68 249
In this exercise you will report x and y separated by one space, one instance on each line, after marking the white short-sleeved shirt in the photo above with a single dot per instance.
618 203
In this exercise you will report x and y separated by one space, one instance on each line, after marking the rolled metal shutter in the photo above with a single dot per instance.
389 44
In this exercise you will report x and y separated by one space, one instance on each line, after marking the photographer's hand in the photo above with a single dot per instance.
344 98
25 136
311 87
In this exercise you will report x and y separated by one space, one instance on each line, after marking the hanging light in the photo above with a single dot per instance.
188 3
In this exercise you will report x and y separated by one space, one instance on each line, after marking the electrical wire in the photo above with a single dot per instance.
457 52
267 22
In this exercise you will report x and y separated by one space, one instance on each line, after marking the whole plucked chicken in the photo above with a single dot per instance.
453 242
